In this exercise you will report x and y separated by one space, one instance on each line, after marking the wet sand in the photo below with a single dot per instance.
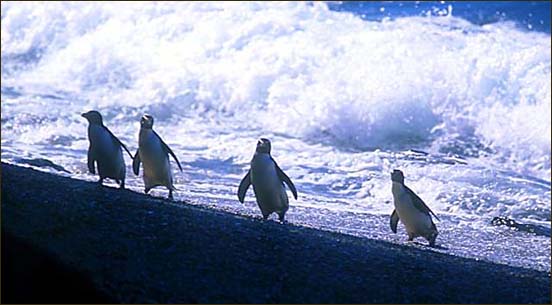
120 246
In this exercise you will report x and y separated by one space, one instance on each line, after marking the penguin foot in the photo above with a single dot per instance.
432 239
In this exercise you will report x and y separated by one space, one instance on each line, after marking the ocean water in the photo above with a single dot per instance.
455 94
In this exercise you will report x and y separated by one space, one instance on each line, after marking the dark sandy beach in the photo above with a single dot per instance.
65 240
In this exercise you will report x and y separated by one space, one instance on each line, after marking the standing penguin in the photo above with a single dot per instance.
268 182
105 150
154 153
412 211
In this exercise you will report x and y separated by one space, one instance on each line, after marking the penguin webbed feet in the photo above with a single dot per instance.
432 238
280 217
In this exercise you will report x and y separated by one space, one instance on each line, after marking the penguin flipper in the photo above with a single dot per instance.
118 142
168 150
90 161
394 221
136 163
419 203
244 185
286 179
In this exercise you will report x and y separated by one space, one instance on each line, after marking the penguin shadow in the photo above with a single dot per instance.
158 195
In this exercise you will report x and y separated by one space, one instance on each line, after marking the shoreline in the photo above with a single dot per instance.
135 248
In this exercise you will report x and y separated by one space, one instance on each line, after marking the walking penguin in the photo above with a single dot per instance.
412 211
105 150
154 154
268 182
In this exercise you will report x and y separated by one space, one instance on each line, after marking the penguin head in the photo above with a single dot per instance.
93 117
263 146
397 176
146 121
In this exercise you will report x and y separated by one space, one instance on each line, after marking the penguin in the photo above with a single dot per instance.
154 153
105 150
268 182
412 211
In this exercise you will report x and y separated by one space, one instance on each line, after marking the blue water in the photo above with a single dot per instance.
456 94
527 15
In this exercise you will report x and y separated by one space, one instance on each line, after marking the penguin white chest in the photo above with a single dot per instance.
263 173
415 221
155 159
269 190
